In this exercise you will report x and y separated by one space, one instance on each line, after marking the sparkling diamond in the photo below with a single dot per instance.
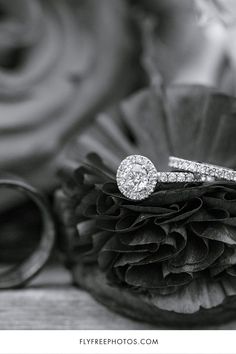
206 178
211 171
172 177
220 174
163 177
136 177
185 166
203 170
228 175
181 177
189 178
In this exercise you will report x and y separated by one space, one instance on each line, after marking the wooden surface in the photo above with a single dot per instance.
51 302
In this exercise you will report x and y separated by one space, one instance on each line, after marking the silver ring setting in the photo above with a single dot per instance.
181 177
137 177
214 171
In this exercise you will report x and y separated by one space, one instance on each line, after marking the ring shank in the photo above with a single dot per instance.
179 177
218 172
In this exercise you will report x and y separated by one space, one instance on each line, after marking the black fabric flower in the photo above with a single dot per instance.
156 246
173 254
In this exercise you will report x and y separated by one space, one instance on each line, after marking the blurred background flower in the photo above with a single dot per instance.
190 42
60 63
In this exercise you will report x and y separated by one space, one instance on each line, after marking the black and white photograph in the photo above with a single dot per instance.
118 165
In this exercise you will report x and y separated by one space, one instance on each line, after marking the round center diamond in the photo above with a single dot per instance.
136 177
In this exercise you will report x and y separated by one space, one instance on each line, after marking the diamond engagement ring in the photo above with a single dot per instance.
137 177
213 171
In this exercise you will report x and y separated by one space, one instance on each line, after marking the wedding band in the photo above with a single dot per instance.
218 172
20 274
137 177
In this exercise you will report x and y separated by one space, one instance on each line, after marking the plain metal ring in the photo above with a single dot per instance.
20 274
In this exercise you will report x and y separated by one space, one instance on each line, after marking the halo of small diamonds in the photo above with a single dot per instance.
136 177
218 172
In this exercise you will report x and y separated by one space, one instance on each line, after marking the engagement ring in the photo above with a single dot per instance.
137 177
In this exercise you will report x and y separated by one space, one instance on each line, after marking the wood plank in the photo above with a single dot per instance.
51 302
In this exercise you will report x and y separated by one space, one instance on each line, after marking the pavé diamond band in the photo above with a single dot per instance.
217 172
137 177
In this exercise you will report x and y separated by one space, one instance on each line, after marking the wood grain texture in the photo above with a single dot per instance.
52 302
